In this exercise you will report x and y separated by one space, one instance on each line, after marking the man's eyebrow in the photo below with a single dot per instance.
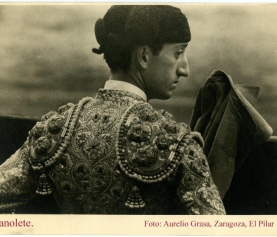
182 45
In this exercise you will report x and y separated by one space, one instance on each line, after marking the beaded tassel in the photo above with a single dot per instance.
135 200
44 186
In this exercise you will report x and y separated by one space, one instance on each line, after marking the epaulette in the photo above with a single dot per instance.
49 138
147 143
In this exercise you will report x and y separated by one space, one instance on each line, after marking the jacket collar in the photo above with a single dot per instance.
126 87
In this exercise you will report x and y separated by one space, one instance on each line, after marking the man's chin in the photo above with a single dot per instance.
166 96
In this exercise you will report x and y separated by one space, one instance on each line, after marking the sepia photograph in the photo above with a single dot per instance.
139 110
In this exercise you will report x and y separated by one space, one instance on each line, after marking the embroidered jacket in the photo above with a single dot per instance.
113 154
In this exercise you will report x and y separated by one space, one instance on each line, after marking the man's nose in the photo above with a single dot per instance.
183 67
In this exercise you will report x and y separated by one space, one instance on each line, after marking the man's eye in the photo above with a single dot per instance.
179 53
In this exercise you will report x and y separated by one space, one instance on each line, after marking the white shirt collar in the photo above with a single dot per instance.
124 86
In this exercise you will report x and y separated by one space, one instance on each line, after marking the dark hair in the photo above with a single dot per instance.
126 27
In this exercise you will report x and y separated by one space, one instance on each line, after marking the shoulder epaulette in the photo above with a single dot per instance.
49 138
147 143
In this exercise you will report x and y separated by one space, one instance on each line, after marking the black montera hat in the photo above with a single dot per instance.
142 25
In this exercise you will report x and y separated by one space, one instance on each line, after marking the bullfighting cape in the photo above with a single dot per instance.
115 154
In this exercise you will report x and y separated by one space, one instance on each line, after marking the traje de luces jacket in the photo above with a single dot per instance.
112 154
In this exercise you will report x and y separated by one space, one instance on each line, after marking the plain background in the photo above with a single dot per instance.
46 58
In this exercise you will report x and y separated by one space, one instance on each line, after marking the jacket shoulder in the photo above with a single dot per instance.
147 143
50 136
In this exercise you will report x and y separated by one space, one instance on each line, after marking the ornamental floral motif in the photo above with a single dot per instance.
55 124
153 117
37 130
65 107
145 157
100 171
106 118
189 181
106 137
135 120
117 191
188 198
164 141
162 155
98 186
96 117
42 145
66 187
145 133
91 146
208 194
133 146
149 115
200 166
144 114
139 133
94 148
47 116
63 164
82 137
134 133
82 172
167 115
170 127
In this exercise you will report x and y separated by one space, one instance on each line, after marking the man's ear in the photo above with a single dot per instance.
142 56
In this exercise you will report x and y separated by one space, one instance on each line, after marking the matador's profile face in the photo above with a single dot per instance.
165 69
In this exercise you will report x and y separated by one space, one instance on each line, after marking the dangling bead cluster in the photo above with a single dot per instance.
44 185
134 199
158 171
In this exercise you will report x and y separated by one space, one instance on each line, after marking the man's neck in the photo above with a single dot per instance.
129 77
135 84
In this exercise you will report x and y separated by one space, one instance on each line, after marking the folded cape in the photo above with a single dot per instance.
230 125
